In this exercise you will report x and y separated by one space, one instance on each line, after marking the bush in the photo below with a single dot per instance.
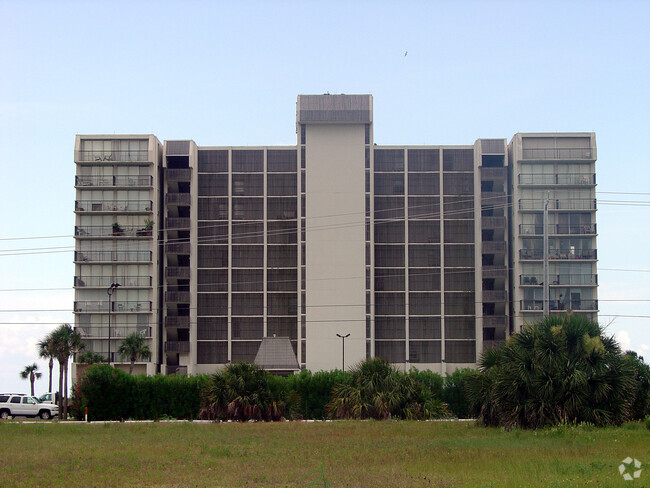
560 370
243 391
314 390
111 394
454 393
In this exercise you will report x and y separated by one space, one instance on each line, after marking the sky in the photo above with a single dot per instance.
228 73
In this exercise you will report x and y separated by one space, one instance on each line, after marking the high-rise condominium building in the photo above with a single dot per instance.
424 255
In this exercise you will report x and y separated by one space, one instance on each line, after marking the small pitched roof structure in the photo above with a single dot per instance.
276 355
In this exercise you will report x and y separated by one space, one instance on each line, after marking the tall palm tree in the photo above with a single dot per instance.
46 351
133 347
31 373
66 342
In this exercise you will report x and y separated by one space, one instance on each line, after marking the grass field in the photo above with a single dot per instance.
332 454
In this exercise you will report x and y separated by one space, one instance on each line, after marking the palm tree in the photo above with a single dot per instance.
133 347
31 373
45 350
90 357
66 342
560 370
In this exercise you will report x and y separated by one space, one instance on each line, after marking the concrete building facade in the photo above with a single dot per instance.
424 255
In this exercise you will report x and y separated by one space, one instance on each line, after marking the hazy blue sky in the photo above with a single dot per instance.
228 74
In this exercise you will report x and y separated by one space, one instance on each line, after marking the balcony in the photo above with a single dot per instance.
495 272
112 256
493 247
117 306
500 321
494 296
493 173
171 369
182 272
570 153
493 198
177 296
112 231
116 332
558 229
112 156
179 223
117 206
573 179
177 346
183 174
534 254
560 305
553 204
493 223
111 181
184 199
560 280
178 322
178 248
105 281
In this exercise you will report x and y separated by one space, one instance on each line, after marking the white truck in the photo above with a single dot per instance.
15 405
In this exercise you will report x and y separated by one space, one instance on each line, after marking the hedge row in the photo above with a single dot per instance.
112 394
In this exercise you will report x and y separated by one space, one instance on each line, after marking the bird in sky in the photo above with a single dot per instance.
405 53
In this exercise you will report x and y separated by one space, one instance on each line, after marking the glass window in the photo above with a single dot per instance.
390 328
213 161
282 184
460 351
389 232
424 159
459 231
389 207
212 328
282 256
458 159
247 185
247 304
460 328
248 209
391 351
247 327
245 351
459 303
389 279
389 256
247 280
248 232
213 256
282 232
281 160
424 279
212 352
390 304
424 184
282 208
424 303
213 209
247 256
458 183
213 185
389 183
389 160
282 327
424 327
424 231
212 280
425 351
212 303
424 256
247 161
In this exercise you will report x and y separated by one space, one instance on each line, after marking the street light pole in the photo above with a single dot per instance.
343 340
110 291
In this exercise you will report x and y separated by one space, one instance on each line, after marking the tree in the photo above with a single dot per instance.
377 390
560 370
66 342
89 357
46 351
31 373
134 347
244 391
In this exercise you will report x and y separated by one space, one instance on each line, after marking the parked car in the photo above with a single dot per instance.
16 405
49 397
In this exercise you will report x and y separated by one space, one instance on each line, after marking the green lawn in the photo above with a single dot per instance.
297 454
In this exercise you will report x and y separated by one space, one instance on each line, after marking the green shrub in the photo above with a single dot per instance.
647 422
454 394
111 394
315 390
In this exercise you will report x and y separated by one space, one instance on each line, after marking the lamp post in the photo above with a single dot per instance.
110 291
343 340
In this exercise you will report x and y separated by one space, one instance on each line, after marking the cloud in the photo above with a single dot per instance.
623 339
645 347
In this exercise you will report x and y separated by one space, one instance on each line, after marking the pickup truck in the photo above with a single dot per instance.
25 406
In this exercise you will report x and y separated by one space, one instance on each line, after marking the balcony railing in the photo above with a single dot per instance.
493 222
495 272
171 369
109 156
178 199
573 179
494 296
178 223
177 321
183 174
577 153
115 206
109 230
110 181
105 281
493 198
116 306
558 254
562 305
495 321
111 256
560 280
554 204
493 173
178 248
555 229
493 247
177 346
177 296
177 272
116 332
